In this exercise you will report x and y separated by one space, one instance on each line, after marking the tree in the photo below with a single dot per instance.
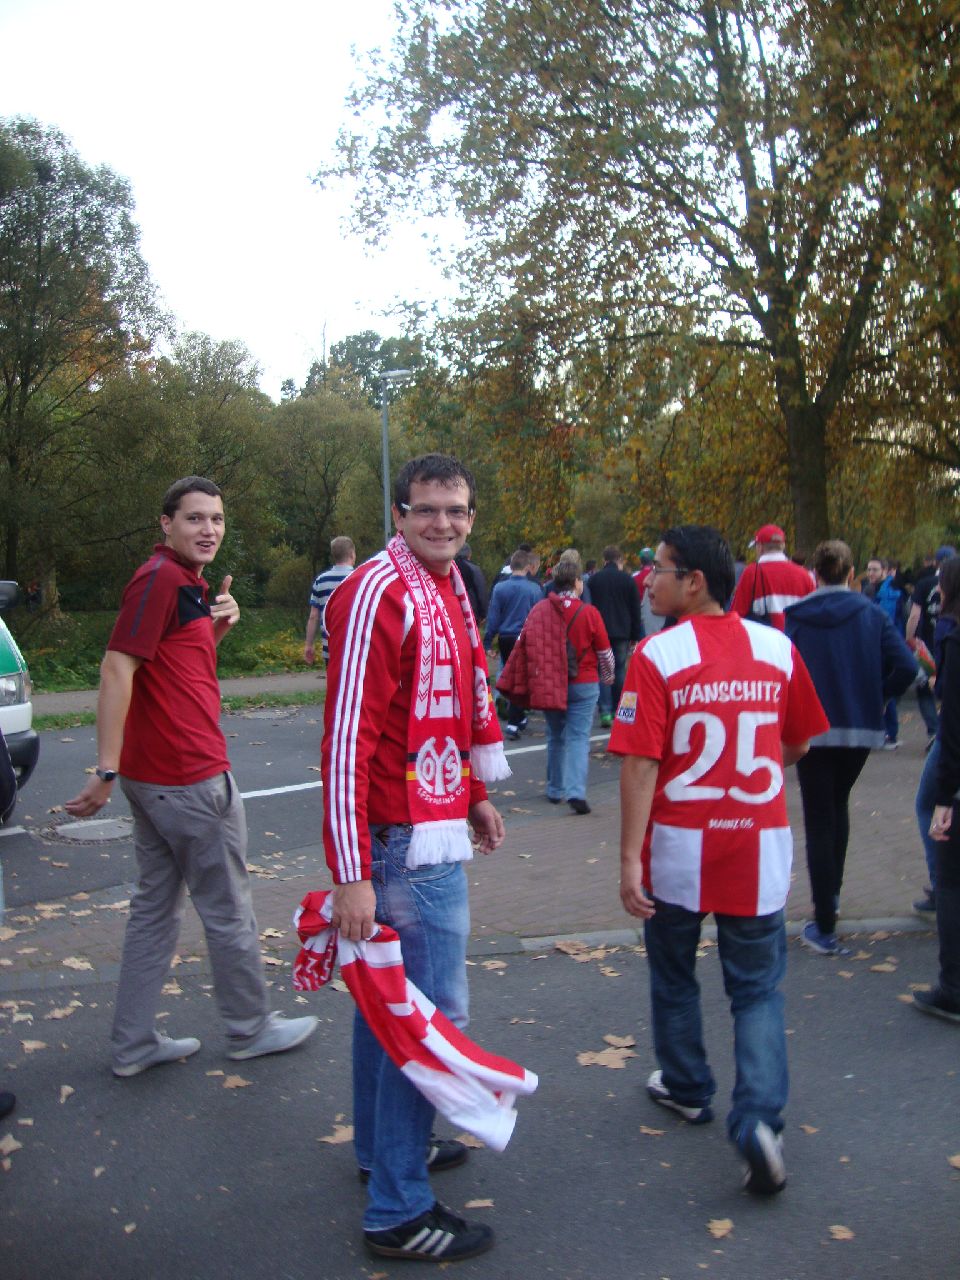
635 169
76 304
369 356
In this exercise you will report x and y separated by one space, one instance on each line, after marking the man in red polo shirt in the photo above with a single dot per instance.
712 711
158 729
772 582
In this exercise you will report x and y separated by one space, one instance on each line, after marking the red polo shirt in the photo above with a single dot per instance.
172 735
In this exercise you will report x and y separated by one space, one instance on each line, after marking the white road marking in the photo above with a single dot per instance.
12 831
312 786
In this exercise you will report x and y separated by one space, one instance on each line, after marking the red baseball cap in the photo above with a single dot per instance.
768 533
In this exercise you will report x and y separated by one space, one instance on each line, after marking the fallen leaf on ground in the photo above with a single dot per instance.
76 962
610 973
59 864
22 1017
720 1227
471 1140
58 808
905 997
571 948
26 1121
494 964
101 1168
526 1022
171 988
9 1144
6 934
341 1133
214 1073
883 967
840 1232
275 961
272 933
652 1133
66 1091
845 973
31 1046
954 1161
615 1059
479 1204
236 1082
337 984
863 955
809 1128
131 1226
620 1042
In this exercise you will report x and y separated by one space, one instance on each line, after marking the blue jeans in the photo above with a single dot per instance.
392 1119
568 743
927 704
610 693
924 805
753 953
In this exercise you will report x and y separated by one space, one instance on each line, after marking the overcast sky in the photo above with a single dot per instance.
218 113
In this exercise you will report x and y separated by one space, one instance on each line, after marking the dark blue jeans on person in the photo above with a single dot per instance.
927 704
392 1119
753 955
924 804
610 693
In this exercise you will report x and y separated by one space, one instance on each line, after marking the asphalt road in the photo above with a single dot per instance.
173 1174
275 751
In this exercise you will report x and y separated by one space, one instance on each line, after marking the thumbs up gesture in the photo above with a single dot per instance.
225 611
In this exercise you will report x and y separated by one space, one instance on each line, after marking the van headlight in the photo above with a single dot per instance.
14 690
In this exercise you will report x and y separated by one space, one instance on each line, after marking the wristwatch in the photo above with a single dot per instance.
106 775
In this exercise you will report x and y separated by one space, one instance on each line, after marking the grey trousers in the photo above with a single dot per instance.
192 838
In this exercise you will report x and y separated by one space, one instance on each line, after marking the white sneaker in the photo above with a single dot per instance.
167 1050
278 1035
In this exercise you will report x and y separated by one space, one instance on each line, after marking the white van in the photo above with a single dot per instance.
16 709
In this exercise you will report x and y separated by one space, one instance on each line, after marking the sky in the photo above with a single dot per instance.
217 114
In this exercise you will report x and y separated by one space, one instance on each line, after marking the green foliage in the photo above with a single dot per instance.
289 583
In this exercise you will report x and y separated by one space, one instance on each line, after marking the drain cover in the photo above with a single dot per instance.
97 831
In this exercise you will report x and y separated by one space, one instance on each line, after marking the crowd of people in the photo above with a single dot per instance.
712 678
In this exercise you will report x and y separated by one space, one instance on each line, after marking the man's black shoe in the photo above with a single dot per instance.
436 1236
579 806
937 1004
442 1154
7 1103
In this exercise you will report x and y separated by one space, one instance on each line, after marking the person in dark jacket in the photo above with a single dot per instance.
943 1000
510 601
858 662
614 593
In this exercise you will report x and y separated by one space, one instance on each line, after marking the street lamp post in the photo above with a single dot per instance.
390 377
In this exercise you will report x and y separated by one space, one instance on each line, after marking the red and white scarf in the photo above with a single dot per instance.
449 735
473 1089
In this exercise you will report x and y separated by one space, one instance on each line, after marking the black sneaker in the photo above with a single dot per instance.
436 1236
659 1092
579 806
763 1151
442 1153
927 905
937 1004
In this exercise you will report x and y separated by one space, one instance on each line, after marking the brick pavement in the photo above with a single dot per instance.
556 874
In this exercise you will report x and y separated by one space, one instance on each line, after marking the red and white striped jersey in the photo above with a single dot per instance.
712 699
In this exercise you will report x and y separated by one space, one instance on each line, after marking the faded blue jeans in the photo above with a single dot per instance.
568 743
753 954
392 1119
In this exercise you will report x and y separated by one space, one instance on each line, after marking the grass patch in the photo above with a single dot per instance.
64 653
75 720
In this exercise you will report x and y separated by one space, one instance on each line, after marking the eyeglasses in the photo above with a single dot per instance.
420 512
659 569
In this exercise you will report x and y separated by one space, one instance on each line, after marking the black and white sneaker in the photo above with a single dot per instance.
436 1236
763 1150
442 1154
659 1092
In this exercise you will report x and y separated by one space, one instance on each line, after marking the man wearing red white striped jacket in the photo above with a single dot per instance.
410 736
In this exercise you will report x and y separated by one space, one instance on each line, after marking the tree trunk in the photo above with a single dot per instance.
807 463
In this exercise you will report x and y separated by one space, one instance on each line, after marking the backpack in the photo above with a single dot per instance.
573 658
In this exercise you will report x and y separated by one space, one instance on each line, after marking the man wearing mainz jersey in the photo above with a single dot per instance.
712 710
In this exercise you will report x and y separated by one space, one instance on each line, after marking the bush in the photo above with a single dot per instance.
289 583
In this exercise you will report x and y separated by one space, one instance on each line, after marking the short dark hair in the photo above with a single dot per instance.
612 554
565 575
433 466
180 488
699 546
519 561
833 560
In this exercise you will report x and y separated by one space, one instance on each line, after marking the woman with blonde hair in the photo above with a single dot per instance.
858 661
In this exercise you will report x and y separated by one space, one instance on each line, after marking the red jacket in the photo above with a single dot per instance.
536 671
